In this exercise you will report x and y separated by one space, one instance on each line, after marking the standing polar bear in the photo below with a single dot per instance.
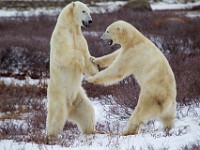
69 58
140 57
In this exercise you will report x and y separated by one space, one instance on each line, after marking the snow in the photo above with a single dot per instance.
16 123
27 81
92 33
193 14
12 145
103 7
30 12
171 6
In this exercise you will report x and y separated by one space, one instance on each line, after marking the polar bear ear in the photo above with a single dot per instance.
73 4
121 30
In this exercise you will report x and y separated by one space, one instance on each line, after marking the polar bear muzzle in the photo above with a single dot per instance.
86 23
107 38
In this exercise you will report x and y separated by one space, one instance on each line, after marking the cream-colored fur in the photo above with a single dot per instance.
69 59
140 57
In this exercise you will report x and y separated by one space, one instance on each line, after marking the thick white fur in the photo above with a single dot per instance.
140 57
69 58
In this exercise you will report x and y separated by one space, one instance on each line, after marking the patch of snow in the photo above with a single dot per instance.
111 115
15 123
192 110
27 81
30 12
92 33
176 1
193 14
173 6
103 7
12 145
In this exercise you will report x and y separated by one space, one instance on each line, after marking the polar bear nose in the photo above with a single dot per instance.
90 22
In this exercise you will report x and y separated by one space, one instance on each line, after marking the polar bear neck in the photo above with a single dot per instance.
131 39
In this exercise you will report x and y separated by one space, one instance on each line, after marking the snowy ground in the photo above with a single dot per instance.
171 6
193 14
114 117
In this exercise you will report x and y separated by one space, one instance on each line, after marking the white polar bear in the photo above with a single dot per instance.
140 57
69 58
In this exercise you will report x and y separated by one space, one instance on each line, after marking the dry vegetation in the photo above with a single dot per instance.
24 51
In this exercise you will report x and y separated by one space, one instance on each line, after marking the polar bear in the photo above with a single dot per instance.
69 59
140 57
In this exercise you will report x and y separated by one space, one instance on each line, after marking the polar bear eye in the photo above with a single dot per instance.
83 11
107 31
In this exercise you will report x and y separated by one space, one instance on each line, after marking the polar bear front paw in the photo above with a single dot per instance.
93 70
92 80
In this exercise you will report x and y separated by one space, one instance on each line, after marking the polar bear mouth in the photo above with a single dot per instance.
86 23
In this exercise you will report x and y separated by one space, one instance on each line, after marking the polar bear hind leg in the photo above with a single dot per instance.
146 110
56 116
83 113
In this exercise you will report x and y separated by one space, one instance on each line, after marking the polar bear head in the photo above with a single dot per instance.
81 14
118 33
